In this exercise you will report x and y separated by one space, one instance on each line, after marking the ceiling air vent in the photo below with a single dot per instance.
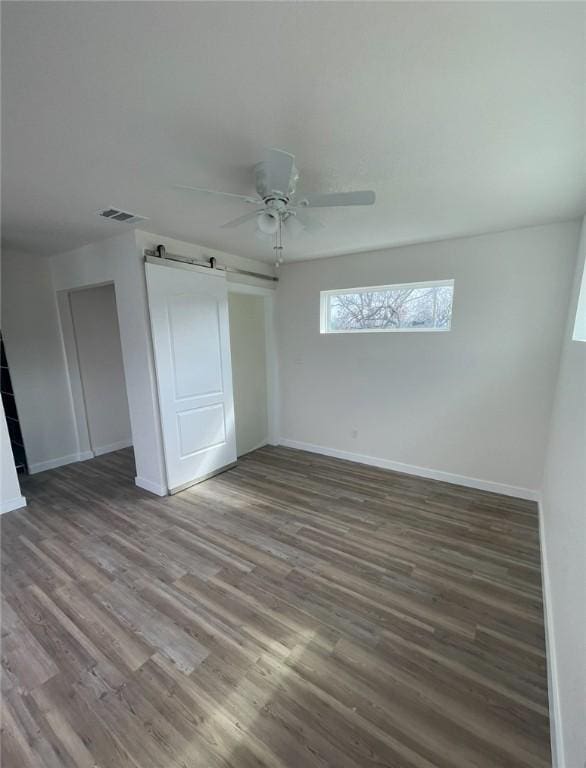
115 214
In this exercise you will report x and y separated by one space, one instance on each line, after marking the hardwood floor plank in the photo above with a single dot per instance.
297 610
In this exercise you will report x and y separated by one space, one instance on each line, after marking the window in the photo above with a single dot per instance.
405 307
580 321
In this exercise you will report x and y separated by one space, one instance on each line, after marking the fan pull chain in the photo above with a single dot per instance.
278 247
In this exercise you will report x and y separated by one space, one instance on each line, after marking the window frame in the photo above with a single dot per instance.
324 304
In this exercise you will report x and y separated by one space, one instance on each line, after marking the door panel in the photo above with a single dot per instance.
201 428
189 320
184 315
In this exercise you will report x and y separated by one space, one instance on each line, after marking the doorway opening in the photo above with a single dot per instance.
253 368
91 334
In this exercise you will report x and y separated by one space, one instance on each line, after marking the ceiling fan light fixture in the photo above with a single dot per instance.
278 210
292 226
268 223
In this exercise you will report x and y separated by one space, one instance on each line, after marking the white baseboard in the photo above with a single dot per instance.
148 485
411 469
112 447
41 466
555 720
9 505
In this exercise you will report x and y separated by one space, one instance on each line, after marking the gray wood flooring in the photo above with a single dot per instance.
294 612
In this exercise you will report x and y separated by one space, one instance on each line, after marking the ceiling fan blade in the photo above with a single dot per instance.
274 173
310 223
246 198
240 220
317 200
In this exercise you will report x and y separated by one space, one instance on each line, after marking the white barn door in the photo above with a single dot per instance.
191 339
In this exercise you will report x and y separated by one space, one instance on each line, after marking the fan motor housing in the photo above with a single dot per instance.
261 173
276 203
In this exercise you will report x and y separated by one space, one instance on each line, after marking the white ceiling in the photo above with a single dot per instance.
464 117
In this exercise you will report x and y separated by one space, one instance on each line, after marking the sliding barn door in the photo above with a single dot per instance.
189 320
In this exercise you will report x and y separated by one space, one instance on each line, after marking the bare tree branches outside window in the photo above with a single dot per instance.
391 308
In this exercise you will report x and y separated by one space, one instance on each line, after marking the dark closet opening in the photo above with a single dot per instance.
11 412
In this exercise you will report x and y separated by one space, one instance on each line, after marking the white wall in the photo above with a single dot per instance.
34 348
119 260
249 370
10 496
473 403
97 335
37 331
563 537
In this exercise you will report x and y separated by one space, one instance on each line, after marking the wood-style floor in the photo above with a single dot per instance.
294 612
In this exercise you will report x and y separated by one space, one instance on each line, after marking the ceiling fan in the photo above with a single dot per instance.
278 210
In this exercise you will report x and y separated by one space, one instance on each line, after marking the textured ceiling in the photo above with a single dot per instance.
464 117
